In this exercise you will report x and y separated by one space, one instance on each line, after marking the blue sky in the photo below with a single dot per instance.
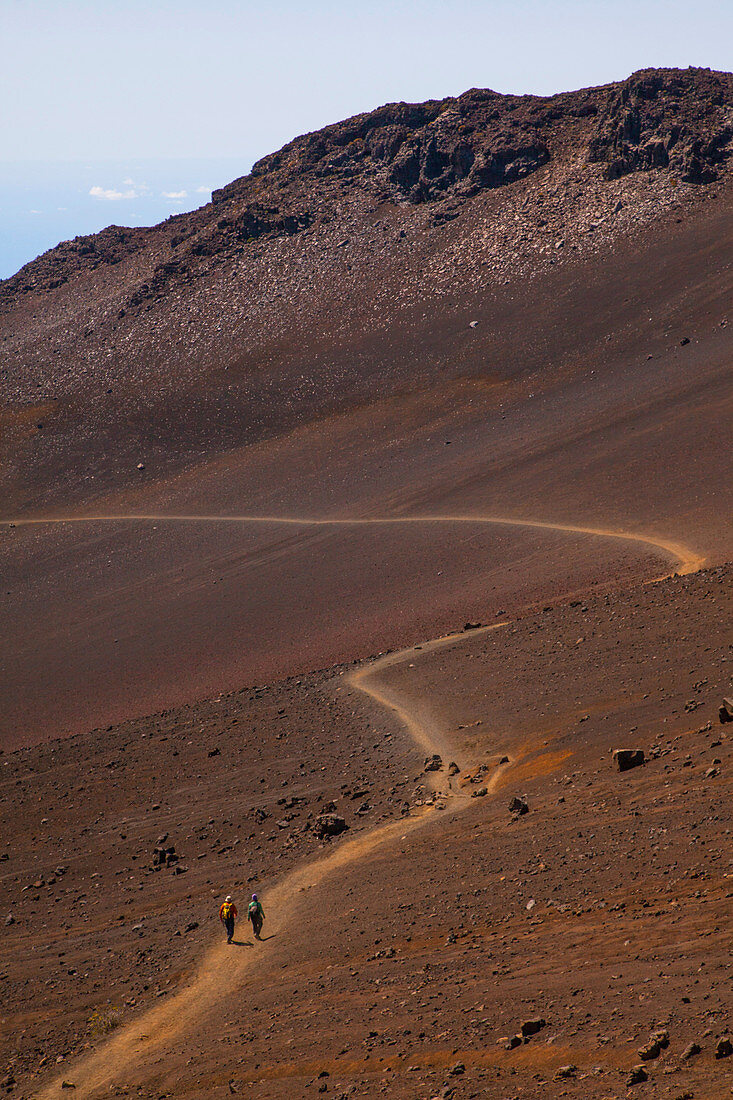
180 96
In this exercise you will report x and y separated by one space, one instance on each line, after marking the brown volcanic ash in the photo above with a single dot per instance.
304 287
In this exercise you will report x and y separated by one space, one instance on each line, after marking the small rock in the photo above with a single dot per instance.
67 1085
637 1075
533 1026
684 341
509 1042
724 1049
690 1051
453 768
457 1069
10 919
433 763
480 793
192 926
624 759
214 752
471 625
565 1072
140 466
518 806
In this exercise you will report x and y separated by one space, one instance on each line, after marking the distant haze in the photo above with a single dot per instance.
183 96
42 203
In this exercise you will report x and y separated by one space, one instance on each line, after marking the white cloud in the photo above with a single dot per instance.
175 194
203 190
35 211
111 195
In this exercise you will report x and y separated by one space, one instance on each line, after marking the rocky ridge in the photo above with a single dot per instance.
285 283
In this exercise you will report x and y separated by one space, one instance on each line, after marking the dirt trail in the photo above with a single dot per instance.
222 972
688 561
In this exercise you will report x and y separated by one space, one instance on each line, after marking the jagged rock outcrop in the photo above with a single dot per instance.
680 120
442 152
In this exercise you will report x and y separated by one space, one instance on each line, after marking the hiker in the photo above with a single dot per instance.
256 914
227 916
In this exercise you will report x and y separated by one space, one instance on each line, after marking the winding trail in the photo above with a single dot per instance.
688 561
221 973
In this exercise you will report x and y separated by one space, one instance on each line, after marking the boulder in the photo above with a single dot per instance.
433 763
724 1049
725 714
662 1037
533 1026
329 824
650 1050
518 806
637 1075
690 1051
453 768
624 759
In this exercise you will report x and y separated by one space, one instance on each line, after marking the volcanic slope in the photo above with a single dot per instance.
496 307
535 323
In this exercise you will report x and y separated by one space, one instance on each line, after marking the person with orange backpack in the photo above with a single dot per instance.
227 916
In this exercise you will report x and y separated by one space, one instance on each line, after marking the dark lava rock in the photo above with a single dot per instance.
665 119
329 824
624 759
650 1051
637 1075
533 1026
518 806
724 1049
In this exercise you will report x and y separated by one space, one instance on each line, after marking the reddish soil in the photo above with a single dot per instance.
275 371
